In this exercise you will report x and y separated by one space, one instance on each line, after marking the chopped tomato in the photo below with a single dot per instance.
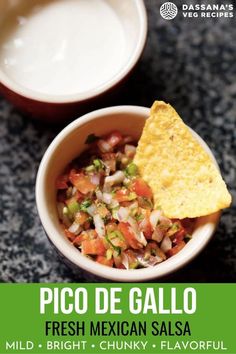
141 188
79 196
103 260
147 230
179 236
114 138
120 266
81 182
122 195
80 238
62 182
176 249
69 235
129 235
92 234
94 247
188 224
87 225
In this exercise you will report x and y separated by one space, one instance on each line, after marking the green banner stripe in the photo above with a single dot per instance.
118 318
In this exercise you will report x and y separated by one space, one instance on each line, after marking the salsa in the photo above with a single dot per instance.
106 208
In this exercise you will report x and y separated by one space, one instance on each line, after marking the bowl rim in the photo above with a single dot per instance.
10 84
79 260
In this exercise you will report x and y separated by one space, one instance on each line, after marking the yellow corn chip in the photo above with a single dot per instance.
183 177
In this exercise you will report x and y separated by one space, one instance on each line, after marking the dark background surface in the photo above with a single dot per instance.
189 63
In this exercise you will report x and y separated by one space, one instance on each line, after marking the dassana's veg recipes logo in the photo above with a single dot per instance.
168 10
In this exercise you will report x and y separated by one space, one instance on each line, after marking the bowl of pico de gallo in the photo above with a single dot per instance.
97 210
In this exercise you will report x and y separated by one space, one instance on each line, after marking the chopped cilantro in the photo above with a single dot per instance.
85 204
98 164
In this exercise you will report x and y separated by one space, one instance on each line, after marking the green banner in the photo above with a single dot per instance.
118 318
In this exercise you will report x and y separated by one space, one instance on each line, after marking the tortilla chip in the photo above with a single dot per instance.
184 178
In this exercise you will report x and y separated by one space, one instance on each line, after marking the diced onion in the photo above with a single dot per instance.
156 259
155 217
104 146
133 224
99 195
92 209
138 235
130 150
165 222
125 260
116 178
107 198
74 190
123 214
157 234
75 228
142 239
95 179
126 181
104 197
166 244
99 225
143 224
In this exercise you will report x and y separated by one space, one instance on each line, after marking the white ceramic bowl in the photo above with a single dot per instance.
68 145
55 55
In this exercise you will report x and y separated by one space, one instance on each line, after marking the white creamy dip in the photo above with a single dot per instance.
62 47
